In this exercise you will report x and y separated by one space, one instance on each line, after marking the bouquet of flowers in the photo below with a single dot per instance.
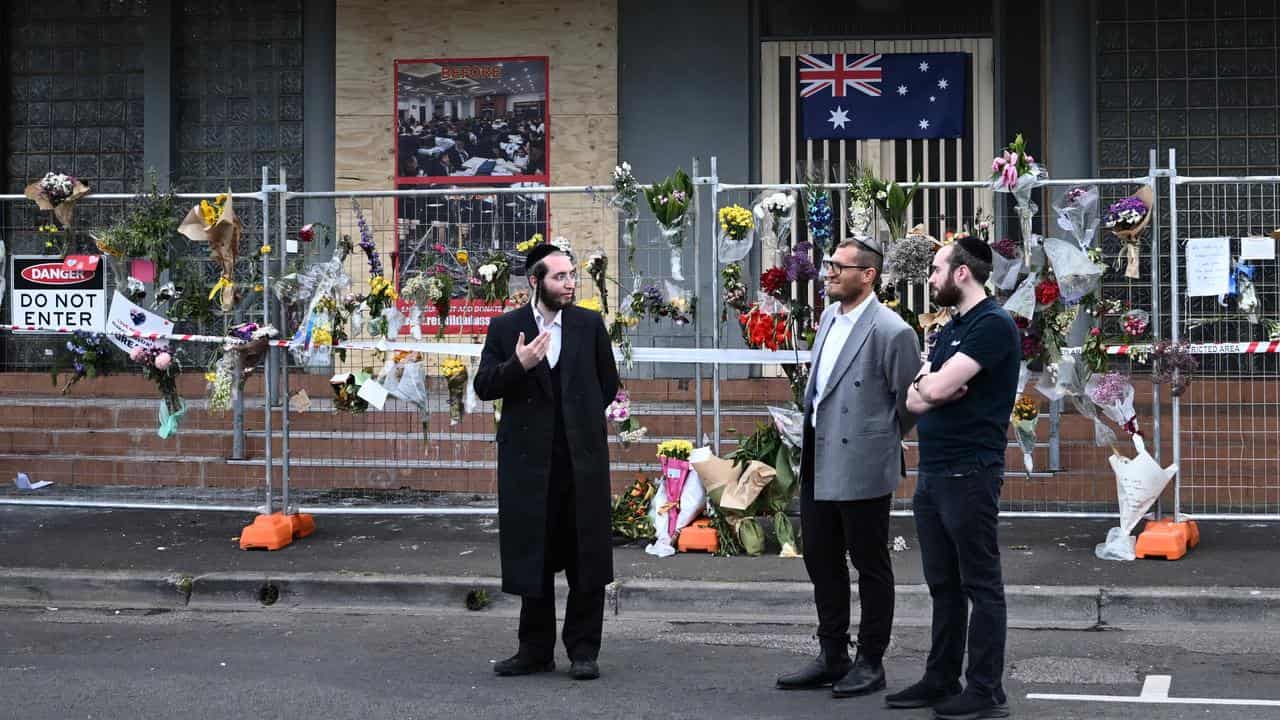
1173 365
455 375
619 413
346 391
891 201
495 277
911 258
631 511
649 302
1077 211
1016 172
862 202
1024 418
764 329
622 323
798 264
90 356
1127 219
1135 324
1113 394
737 231
57 192
162 368
626 201
433 287
1006 263
777 208
597 265
670 201
381 302
220 380
817 211
673 455
735 293
216 223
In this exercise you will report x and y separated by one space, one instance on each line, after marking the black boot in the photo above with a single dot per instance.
831 664
866 676
523 663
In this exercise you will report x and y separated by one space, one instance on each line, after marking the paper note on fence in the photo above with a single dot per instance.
373 393
1257 248
126 317
1208 266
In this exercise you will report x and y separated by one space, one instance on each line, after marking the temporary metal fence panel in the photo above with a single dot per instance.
387 460
97 443
1229 414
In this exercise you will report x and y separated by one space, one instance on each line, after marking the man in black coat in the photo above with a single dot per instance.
551 364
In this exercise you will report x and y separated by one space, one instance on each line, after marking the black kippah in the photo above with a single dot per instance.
538 252
975 247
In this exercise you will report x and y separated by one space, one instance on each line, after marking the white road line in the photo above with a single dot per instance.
1155 691
1156 687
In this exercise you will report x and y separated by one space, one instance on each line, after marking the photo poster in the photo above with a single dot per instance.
480 223
471 121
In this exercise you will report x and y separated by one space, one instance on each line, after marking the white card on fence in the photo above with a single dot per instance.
1208 266
373 392
1257 248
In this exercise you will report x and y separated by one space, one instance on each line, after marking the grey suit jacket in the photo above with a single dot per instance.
863 414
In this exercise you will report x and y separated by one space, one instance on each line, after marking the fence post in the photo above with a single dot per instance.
268 364
237 407
697 314
282 243
1156 314
1175 408
715 307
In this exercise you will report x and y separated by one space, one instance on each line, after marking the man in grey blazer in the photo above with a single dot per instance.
855 417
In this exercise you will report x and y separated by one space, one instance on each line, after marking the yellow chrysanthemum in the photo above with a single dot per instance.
462 256
1026 408
264 250
451 367
591 303
736 221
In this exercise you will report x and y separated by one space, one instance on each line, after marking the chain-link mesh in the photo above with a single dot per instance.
1230 412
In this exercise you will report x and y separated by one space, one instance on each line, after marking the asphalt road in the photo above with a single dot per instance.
57 664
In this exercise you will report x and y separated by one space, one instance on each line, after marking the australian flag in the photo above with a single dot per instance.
845 96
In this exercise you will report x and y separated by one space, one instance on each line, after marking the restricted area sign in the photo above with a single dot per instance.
50 292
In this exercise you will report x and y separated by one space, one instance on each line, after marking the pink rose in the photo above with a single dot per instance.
1009 176
137 353
163 360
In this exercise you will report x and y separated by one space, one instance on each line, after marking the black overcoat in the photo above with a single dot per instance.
589 380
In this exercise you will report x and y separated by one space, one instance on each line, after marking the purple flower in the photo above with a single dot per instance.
366 241
799 263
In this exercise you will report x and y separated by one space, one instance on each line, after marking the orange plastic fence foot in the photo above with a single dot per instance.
303 524
699 535
268 532
1167 539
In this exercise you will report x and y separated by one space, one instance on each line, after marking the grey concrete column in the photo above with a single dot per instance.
1069 140
158 96
319 23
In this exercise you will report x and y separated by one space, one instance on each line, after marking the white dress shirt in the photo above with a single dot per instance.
837 336
553 351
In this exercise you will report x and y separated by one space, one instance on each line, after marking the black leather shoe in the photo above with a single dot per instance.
922 694
866 676
819 673
970 706
522 665
584 670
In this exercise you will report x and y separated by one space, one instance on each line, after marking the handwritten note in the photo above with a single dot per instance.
1208 266
1257 248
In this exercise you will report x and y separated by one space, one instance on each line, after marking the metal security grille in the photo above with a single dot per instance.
238 82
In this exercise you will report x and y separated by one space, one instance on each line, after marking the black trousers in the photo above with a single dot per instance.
956 511
584 614
858 530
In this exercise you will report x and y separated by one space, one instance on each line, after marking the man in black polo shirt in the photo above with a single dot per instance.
963 397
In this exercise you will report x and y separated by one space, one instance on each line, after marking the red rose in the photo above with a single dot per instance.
307 233
1047 292
773 280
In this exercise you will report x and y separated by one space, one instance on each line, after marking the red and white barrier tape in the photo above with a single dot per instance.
677 355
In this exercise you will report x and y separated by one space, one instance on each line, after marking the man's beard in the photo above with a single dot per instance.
949 294
551 302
